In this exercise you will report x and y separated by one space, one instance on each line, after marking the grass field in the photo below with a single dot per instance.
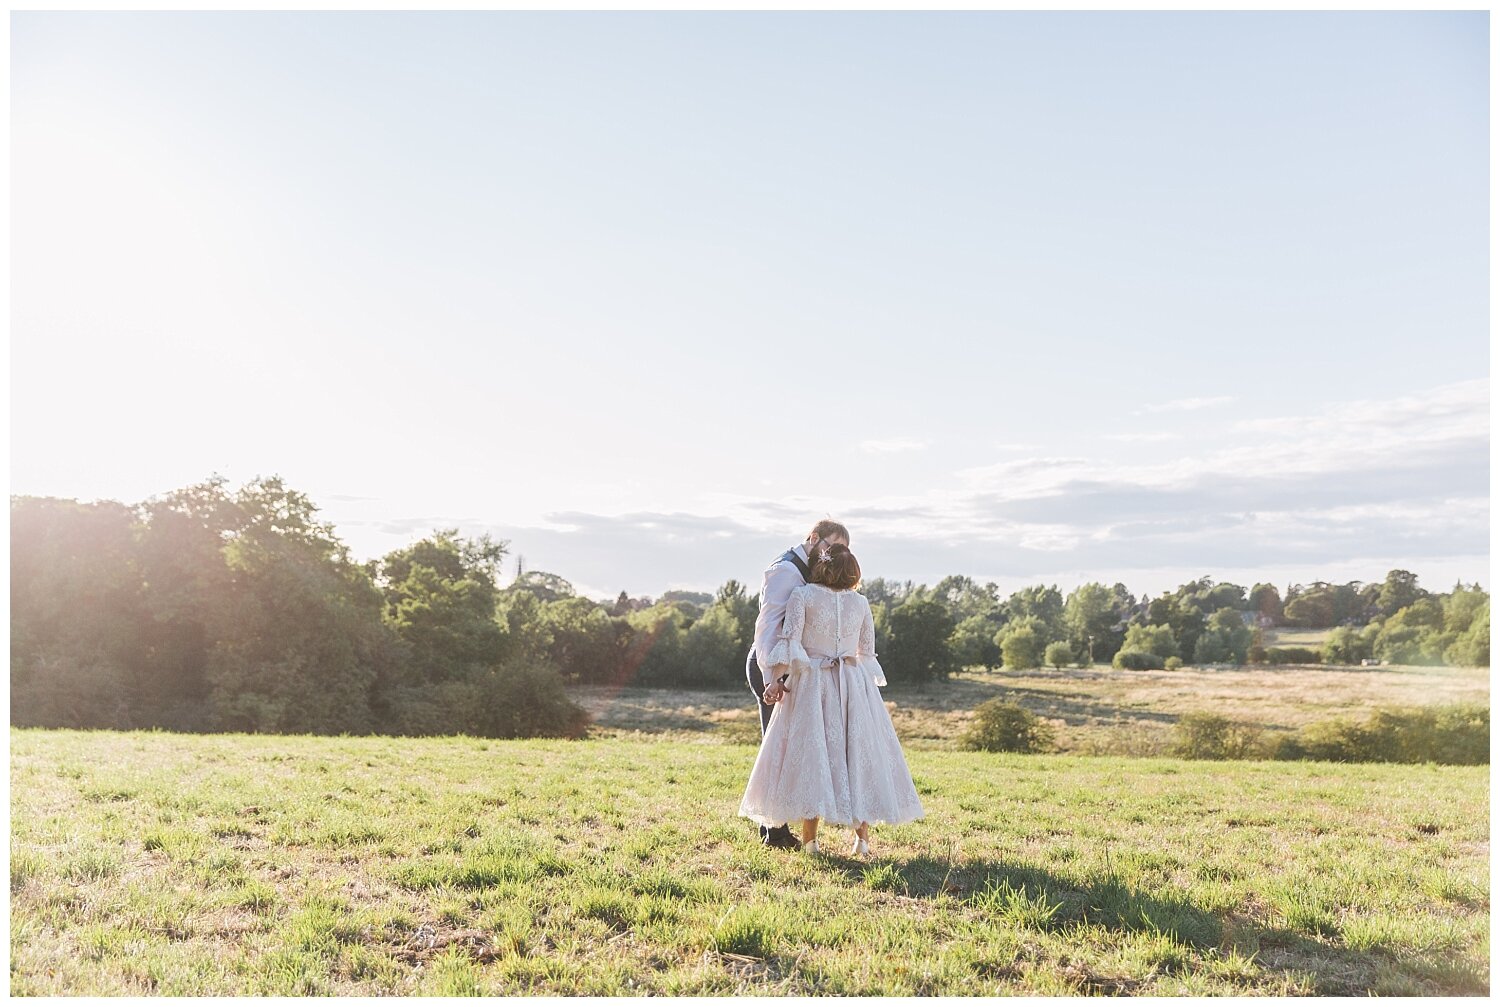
1096 711
172 864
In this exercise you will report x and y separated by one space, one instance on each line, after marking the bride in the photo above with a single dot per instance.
830 751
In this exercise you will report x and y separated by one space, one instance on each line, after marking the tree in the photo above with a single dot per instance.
1265 600
918 647
1462 606
1094 617
1472 648
1347 645
1399 590
302 645
544 586
1059 654
77 603
1044 604
1181 617
1021 648
974 643
735 599
1226 640
1151 639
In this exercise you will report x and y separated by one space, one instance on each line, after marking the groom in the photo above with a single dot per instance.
790 570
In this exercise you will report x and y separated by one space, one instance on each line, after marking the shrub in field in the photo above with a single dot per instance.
1136 660
1021 648
1059 654
1006 727
1173 663
1212 736
1448 735
1148 639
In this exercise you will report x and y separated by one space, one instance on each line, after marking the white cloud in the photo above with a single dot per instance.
1364 485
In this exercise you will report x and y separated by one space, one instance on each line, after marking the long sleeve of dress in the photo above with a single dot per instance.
866 649
787 654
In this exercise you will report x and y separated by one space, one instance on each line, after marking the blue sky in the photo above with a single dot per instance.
1030 297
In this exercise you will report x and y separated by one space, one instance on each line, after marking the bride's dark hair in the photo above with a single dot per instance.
839 571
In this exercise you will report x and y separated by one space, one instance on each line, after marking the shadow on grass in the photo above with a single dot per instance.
1035 898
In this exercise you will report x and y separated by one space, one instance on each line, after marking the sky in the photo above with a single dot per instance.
1034 298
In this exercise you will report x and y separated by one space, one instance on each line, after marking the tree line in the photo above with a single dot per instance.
239 610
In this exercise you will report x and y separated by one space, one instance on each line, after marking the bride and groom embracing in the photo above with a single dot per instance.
828 749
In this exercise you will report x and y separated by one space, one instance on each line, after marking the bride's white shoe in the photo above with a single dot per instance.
810 846
861 848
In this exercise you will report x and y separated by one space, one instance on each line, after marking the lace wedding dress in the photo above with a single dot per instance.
830 750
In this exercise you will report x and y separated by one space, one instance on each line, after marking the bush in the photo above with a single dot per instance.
1293 655
1211 736
1151 639
1006 727
1021 648
1173 663
1457 735
1059 654
1136 660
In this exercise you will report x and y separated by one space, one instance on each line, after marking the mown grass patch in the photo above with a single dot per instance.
452 866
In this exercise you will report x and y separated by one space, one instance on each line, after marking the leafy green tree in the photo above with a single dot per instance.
1462 605
1472 647
1094 619
919 648
77 604
1321 604
1399 591
1347 645
743 607
544 586
584 640
1021 647
974 643
1413 635
1044 604
966 599
1058 654
1265 600
440 597
1151 639
303 645
1181 617
1226 640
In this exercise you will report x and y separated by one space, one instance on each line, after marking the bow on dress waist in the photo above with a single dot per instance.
830 661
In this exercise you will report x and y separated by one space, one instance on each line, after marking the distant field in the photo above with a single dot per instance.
1096 711
1295 637
152 863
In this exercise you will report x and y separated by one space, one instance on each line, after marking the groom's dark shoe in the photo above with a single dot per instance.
780 837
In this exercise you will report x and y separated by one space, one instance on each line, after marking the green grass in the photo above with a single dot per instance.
153 863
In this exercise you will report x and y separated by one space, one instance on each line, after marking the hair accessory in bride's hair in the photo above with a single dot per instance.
824 554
